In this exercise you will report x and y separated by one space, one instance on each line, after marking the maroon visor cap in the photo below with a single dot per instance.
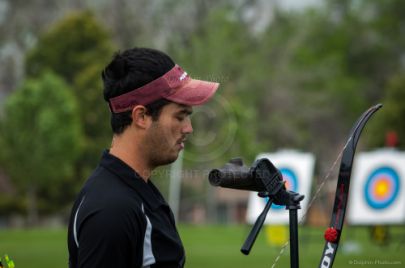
175 85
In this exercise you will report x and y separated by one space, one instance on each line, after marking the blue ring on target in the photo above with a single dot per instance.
382 187
291 181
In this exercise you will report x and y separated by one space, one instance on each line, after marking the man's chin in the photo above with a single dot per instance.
173 159
169 160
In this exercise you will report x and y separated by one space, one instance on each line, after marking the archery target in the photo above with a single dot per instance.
377 191
297 169
381 188
291 183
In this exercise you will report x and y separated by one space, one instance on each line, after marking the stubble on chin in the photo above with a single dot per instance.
161 158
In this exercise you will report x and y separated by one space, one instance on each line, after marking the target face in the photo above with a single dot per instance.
291 183
381 188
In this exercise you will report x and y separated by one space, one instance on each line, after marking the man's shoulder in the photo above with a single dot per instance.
103 180
106 190
109 205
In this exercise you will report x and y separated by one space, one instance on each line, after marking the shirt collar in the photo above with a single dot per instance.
132 179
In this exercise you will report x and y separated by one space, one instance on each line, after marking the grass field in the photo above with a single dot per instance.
218 246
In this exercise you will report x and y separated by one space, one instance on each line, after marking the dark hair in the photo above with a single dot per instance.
132 69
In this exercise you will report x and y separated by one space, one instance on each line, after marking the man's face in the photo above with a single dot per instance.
165 137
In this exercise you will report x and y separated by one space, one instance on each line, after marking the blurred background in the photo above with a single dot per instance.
294 75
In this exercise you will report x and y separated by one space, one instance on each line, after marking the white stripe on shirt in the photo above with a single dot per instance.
74 223
148 257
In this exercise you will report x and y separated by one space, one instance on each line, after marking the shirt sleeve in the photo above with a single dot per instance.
111 237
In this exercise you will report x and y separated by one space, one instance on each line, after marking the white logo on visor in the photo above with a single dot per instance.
184 75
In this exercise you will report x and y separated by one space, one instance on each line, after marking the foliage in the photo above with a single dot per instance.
40 135
298 82
95 116
383 62
77 48
70 46
391 117
306 56
225 126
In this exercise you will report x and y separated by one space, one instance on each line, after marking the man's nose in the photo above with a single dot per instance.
188 128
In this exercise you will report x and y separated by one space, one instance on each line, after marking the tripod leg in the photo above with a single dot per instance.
250 240
294 257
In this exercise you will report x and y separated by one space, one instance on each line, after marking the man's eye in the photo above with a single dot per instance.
180 118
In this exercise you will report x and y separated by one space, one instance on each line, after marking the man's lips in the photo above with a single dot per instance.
181 143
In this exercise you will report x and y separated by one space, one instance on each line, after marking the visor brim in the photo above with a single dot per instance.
194 92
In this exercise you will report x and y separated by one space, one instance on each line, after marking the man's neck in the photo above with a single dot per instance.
131 155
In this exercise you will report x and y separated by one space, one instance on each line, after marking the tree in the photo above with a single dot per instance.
219 51
40 137
76 48
95 115
391 117
70 46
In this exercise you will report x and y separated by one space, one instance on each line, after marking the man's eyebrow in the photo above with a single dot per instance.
187 111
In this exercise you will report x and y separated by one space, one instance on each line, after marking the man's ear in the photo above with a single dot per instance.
139 117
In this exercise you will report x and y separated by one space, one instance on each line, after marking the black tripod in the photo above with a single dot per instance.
266 179
292 202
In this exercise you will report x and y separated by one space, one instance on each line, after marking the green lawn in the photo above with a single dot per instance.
218 246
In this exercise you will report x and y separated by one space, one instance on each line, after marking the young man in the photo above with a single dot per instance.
120 219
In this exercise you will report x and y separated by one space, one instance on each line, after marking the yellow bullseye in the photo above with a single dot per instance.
381 189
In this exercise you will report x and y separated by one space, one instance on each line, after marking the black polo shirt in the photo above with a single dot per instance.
119 220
